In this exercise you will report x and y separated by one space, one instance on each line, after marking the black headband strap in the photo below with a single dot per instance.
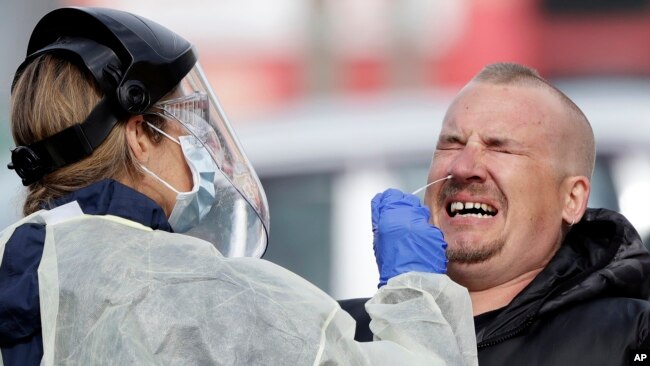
74 143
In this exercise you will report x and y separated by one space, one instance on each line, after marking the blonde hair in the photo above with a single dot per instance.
50 95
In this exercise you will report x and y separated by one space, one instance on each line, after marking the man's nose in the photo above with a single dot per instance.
468 165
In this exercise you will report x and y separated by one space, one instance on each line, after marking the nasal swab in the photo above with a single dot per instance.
434 182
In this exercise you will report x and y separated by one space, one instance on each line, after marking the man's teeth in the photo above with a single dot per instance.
472 209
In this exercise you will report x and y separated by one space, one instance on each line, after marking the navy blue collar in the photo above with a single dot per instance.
109 197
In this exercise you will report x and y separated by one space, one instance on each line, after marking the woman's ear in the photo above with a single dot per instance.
577 196
138 140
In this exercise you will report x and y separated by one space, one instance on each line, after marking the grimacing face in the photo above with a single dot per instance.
502 208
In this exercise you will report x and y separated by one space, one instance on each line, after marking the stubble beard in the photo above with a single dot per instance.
467 252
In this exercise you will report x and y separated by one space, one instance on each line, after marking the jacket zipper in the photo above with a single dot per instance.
512 334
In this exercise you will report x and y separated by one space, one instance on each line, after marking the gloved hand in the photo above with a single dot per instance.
404 241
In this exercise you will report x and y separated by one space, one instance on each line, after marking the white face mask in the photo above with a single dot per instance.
191 207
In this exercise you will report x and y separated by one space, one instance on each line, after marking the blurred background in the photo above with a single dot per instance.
335 101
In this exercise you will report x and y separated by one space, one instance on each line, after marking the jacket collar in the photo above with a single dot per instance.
109 197
602 255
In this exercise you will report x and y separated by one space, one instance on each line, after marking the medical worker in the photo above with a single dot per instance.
144 223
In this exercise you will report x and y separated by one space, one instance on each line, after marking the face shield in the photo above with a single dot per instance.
237 222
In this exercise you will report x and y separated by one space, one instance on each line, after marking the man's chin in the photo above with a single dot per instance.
467 258
468 254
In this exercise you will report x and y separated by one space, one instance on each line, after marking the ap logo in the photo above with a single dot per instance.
639 357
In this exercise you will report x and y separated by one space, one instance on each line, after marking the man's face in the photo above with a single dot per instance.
503 205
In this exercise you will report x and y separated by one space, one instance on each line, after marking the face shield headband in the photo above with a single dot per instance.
237 223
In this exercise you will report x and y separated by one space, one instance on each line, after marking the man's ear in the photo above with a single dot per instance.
576 198
139 142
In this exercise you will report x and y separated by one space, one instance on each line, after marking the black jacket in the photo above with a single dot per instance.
589 306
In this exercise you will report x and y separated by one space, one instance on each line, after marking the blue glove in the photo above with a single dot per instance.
404 241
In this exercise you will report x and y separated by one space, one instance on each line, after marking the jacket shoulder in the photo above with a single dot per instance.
20 326
597 332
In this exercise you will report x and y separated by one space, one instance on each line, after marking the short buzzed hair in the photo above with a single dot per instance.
508 73
516 74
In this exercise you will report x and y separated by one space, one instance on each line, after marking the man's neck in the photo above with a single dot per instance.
496 297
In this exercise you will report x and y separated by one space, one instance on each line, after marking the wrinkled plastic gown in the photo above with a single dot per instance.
115 292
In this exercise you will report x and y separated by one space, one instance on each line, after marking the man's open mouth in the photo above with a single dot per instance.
471 209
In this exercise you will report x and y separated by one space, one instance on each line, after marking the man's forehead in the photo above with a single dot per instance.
493 128
503 110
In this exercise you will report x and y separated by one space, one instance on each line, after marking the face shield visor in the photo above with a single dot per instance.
237 222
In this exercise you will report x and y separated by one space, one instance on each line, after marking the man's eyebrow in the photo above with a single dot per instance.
502 142
450 137
496 141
